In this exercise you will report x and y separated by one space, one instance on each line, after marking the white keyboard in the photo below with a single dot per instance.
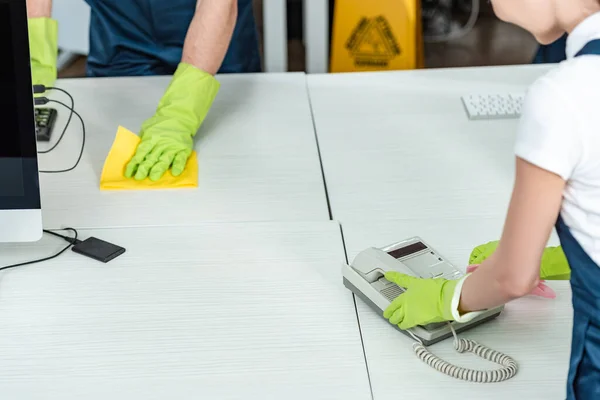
493 106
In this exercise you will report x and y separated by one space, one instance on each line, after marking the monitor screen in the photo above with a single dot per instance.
10 148
18 158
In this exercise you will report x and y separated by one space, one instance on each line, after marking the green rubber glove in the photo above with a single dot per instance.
43 49
425 301
167 137
554 264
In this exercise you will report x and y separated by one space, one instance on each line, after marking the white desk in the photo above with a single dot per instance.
401 159
399 144
536 332
215 311
258 158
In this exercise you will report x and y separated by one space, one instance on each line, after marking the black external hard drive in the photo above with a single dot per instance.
98 249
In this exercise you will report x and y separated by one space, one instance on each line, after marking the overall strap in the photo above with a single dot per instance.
591 48
585 273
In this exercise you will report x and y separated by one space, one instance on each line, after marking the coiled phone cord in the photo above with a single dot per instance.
508 370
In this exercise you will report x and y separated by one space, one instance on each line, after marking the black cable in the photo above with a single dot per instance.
67 238
68 120
83 133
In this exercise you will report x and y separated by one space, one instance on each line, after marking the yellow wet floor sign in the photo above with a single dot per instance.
376 35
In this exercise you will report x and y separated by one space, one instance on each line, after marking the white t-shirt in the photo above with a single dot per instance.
559 131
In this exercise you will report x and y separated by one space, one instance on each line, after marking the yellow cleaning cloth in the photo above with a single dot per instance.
122 151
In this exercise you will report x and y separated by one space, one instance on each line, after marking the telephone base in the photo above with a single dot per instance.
439 334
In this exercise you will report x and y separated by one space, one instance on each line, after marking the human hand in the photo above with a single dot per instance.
167 137
553 265
164 145
425 301
43 50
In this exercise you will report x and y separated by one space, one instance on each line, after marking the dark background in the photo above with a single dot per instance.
492 42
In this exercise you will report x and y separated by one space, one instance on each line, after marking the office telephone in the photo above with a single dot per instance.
365 278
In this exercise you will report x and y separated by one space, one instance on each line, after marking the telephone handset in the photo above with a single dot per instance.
365 278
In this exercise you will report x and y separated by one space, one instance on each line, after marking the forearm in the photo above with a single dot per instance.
492 286
209 34
513 270
39 8
43 42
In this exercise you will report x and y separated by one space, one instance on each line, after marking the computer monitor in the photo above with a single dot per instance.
20 205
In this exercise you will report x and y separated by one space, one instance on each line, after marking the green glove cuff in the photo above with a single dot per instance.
450 296
554 264
43 49
186 101
454 302
425 301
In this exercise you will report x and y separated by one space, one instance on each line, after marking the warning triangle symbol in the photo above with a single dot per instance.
373 42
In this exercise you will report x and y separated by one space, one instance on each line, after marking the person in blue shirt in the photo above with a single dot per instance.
192 40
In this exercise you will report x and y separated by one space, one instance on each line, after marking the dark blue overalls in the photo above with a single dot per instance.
145 37
584 369
552 53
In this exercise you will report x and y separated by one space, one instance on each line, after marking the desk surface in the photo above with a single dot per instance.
221 306
535 332
399 145
216 311
258 157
